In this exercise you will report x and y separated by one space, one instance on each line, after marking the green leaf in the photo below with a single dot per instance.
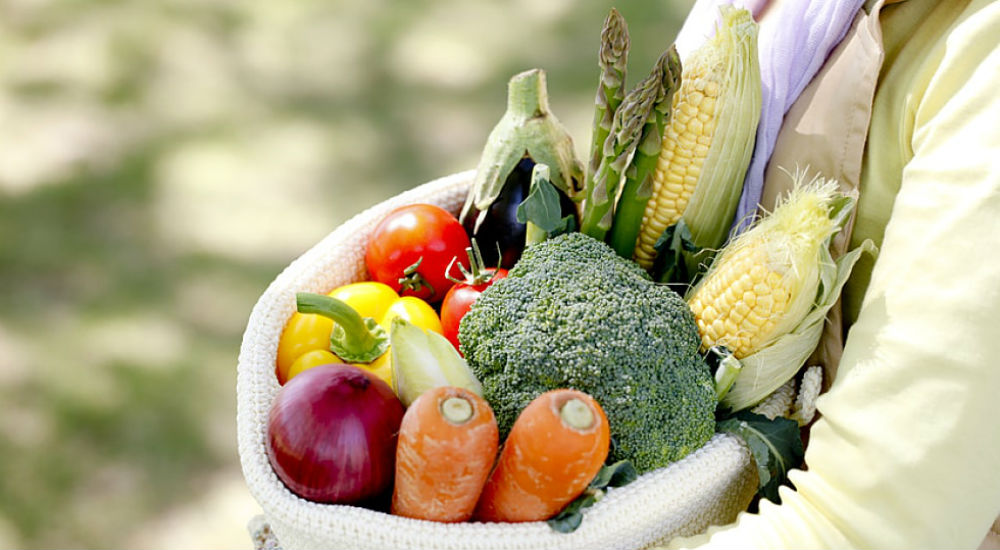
542 207
776 447
571 516
671 249
619 474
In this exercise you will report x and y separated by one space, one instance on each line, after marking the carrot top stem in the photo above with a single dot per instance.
577 415
456 410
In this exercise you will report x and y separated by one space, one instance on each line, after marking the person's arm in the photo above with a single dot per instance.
907 452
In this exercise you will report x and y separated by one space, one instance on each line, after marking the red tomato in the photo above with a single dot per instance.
460 298
411 249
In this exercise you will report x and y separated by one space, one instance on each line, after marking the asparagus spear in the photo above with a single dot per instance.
611 86
638 186
626 131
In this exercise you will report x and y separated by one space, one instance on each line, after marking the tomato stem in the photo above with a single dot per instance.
413 281
354 338
476 274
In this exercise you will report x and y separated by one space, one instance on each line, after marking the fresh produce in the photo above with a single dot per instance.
500 230
766 295
447 445
709 140
634 121
578 319
637 187
303 332
411 248
528 133
613 60
461 296
573 314
354 338
765 282
307 332
331 434
310 359
368 298
361 340
423 359
414 310
556 447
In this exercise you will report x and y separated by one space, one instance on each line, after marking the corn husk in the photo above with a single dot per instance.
773 365
711 207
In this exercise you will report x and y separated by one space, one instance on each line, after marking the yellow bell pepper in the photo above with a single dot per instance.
356 328
305 332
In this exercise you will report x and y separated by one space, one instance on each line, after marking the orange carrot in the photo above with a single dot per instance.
557 445
447 445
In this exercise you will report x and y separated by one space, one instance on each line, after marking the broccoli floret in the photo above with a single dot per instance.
573 314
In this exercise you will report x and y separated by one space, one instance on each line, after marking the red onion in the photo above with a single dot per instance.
331 434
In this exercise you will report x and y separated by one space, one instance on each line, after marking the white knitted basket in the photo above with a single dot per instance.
708 487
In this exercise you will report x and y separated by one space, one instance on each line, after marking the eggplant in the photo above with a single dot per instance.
527 133
499 235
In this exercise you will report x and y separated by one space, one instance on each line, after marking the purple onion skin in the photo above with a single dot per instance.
331 434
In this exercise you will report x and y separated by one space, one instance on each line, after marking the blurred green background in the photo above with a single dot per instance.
161 161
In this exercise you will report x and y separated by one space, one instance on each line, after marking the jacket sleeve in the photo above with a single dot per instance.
907 451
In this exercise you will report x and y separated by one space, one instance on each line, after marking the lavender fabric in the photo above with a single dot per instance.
793 43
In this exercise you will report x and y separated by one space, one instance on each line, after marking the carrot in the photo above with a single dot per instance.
447 445
555 448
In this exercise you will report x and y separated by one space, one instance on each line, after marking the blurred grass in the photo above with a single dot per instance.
161 161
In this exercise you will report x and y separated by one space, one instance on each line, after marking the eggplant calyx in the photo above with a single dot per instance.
476 274
528 128
413 281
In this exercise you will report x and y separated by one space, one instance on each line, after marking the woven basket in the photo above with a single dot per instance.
708 487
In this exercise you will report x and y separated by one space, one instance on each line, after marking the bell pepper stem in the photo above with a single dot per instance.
354 338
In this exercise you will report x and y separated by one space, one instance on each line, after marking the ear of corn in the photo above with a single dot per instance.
804 409
778 403
708 142
767 293
766 280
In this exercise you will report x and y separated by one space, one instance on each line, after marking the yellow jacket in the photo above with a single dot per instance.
906 453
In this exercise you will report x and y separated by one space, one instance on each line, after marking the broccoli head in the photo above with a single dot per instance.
573 314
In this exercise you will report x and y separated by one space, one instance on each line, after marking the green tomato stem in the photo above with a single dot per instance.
476 274
413 281
354 338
